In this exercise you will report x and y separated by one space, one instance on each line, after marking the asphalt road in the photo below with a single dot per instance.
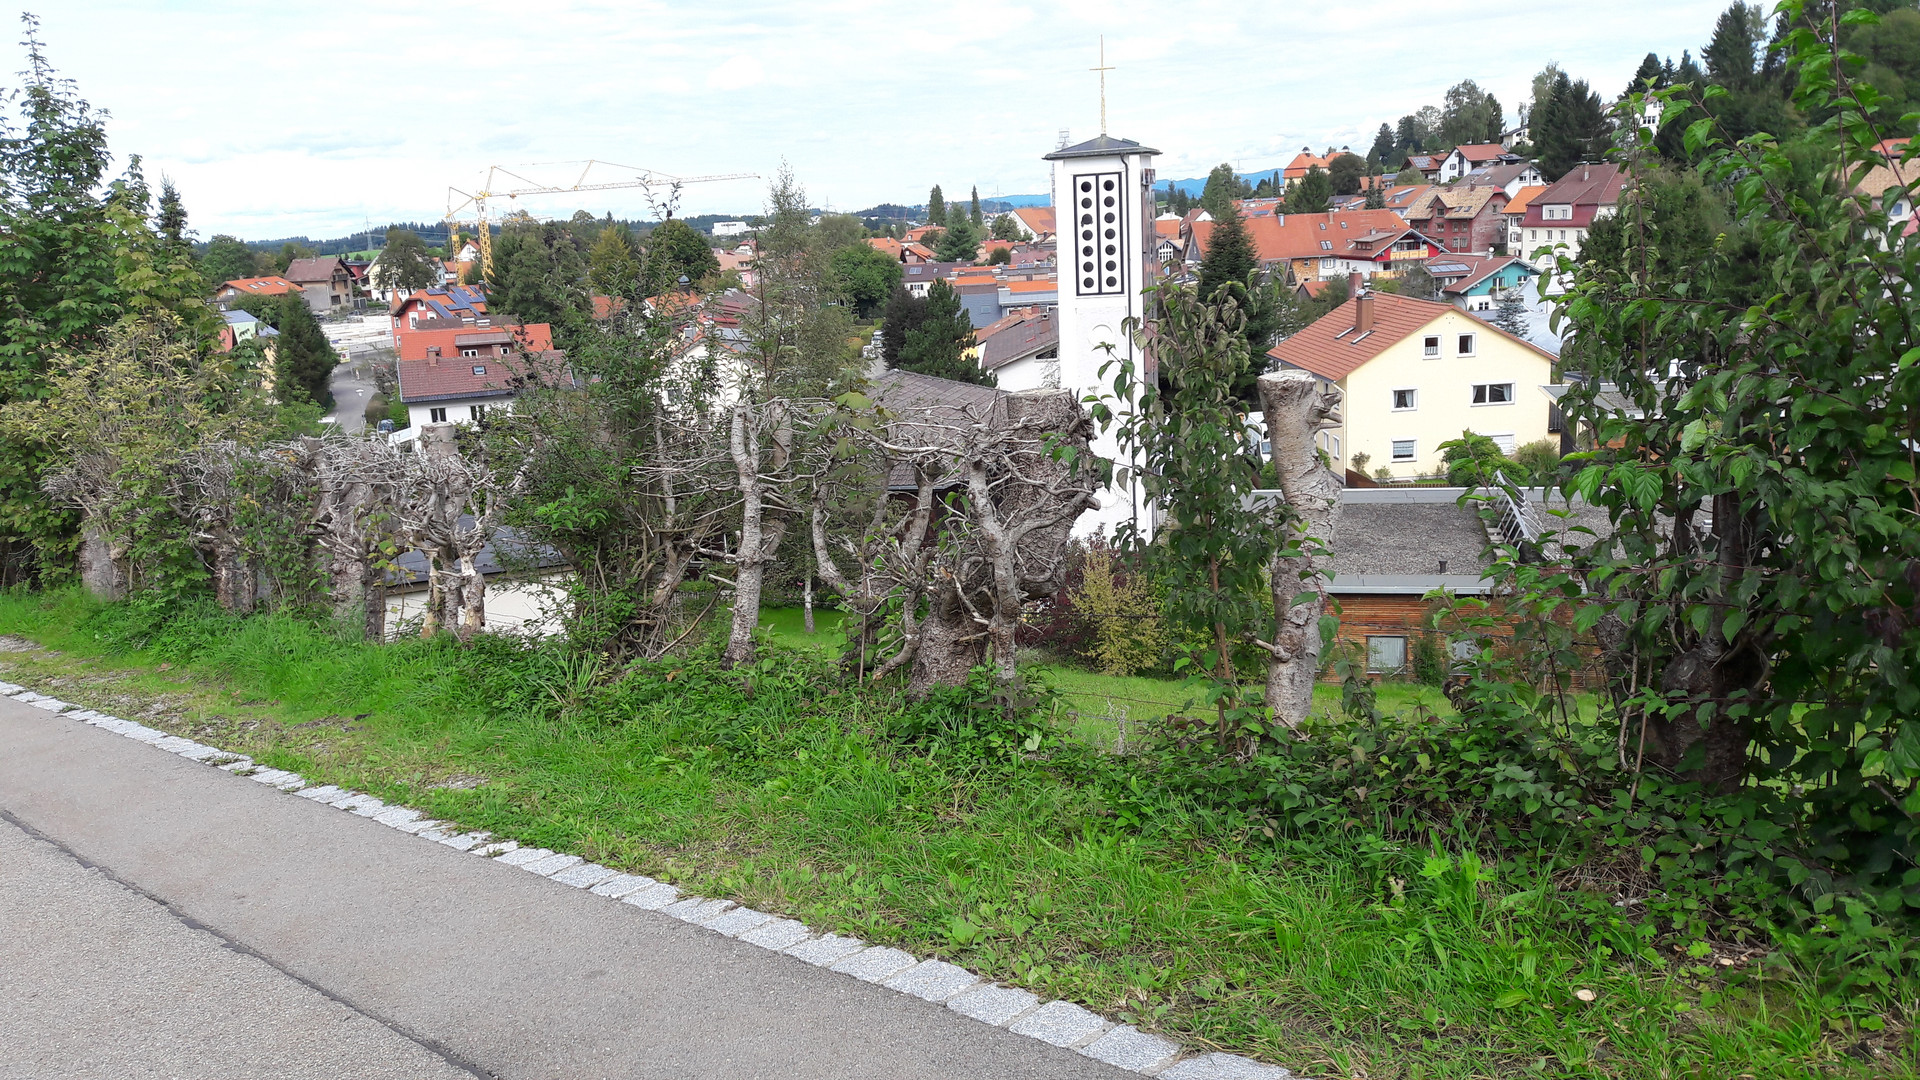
353 386
167 919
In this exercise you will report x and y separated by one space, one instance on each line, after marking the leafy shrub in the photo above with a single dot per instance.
1429 659
1122 609
1471 459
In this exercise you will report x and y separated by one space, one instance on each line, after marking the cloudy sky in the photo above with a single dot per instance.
288 119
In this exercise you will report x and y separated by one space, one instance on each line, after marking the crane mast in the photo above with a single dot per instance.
458 201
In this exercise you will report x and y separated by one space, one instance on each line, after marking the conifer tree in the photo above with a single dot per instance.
303 358
1310 194
936 207
905 312
171 221
939 344
1230 255
612 263
1384 146
1511 314
978 221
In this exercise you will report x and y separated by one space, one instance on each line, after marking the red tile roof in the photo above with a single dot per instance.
1586 188
533 337
425 378
1040 285
1298 236
262 286
1039 220
1524 198
1329 348
1476 152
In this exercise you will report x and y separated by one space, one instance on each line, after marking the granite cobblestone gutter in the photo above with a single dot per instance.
1058 1023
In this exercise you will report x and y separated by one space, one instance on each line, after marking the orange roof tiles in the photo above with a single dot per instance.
262 286
1329 348
1299 236
1523 198
1481 151
1038 285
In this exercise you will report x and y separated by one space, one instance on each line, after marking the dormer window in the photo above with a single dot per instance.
479 369
1326 245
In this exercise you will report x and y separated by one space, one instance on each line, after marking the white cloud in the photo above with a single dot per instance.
736 74
274 124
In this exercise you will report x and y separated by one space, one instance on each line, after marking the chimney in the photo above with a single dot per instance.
1353 283
433 356
1363 312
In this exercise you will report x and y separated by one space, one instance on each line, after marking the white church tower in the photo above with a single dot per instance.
1103 211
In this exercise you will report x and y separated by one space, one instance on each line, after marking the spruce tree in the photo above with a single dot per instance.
1384 146
303 358
1230 255
1311 193
1511 314
171 221
905 312
936 207
613 264
961 241
978 221
939 344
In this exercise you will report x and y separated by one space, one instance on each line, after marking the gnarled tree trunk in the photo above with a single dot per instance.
1297 407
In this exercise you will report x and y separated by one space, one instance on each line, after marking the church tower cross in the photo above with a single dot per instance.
1103 69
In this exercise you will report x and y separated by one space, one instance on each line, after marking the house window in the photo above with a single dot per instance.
1405 400
1499 393
469 352
1403 449
1431 346
1326 245
1465 345
1386 655
1326 264
476 413
479 369
436 416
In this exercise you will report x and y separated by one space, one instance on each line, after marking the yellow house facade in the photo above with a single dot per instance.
1415 374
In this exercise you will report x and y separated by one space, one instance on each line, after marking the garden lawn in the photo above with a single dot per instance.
783 791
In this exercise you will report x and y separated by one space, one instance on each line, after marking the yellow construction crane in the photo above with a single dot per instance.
630 177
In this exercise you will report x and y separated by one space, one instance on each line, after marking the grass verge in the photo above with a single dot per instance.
780 790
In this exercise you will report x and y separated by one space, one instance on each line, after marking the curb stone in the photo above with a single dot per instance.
1058 1023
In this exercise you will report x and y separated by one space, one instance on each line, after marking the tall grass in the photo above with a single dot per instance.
1334 954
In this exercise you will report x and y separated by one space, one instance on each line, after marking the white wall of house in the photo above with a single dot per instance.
453 410
1443 396
512 606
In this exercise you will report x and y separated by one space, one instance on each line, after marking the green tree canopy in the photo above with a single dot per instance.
1345 172
936 207
404 263
613 263
1008 227
1311 193
866 277
905 312
938 346
1471 115
960 242
226 259
303 358
1569 127
1223 187
676 249
1385 148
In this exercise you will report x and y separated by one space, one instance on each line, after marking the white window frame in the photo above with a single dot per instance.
1413 399
469 351
1471 341
479 369
437 416
1372 669
1413 450
476 413
1430 351
1485 391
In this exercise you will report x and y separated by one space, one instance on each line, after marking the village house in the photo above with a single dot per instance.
1462 160
1038 221
326 281
241 288
1025 336
1400 197
1516 212
1463 218
1427 165
1416 373
1321 245
1509 177
1476 282
1561 215
1888 184
457 374
458 304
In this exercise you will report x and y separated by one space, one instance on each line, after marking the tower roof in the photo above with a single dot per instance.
1101 146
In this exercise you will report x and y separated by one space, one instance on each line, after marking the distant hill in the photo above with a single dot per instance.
1197 185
